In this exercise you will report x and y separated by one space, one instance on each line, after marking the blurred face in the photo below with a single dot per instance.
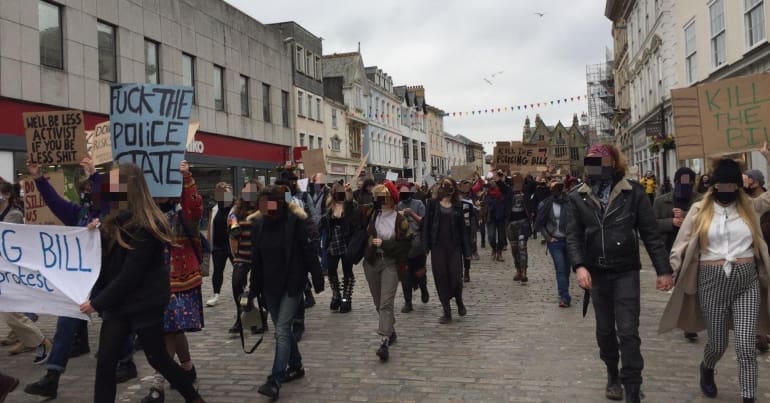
224 194
116 191
250 192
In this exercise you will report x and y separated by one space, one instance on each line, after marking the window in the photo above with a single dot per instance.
754 21
266 103
422 152
299 59
309 63
318 109
309 106
310 142
321 143
302 139
717 14
689 52
108 70
188 71
219 88
336 144
334 119
151 67
49 24
318 72
285 108
244 96
300 100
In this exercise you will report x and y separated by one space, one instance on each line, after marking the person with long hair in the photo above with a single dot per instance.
445 236
551 222
282 256
133 288
338 223
217 235
387 250
721 260
605 218
413 276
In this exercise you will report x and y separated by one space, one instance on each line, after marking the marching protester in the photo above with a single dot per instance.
603 219
480 190
184 312
650 186
218 236
754 185
551 222
133 288
703 183
282 256
497 205
670 210
721 258
339 223
470 219
519 229
445 236
387 250
413 276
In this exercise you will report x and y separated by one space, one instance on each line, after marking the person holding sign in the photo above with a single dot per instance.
133 285
721 261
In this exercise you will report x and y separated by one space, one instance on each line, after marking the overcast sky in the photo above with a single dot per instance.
450 46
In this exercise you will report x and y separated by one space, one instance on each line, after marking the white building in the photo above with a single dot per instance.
338 148
384 130
414 138
456 150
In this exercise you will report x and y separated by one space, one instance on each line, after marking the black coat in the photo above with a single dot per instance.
299 255
133 283
430 227
611 242
350 221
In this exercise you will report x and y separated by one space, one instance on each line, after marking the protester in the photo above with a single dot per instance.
754 185
218 236
497 211
703 184
184 312
445 236
666 188
519 229
413 276
133 289
604 218
282 256
388 249
470 219
481 204
551 222
339 223
650 186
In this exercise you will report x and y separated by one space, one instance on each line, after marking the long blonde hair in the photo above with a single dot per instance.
706 216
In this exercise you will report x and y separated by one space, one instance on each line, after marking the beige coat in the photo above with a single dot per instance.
683 309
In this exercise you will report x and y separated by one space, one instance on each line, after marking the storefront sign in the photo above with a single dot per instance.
149 127
55 138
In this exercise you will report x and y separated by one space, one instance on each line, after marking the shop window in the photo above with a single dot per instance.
188 72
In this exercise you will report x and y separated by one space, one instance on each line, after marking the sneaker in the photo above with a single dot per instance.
292 374
383 352
42 352
213 301
564 304
270 389
156 395
125 371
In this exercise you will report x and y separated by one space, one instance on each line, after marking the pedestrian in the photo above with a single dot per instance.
721 262
754 186
470 219
240 245
497 205
650 186
670 210
7 385
339 222
666 188
413 277
133 288
218 236
605 217
703 183
519 229
551 222
184 312
481 205
445 236
387 251
282 256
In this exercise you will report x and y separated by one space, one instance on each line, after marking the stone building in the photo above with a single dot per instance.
567 146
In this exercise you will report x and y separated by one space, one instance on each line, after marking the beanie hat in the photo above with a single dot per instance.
392 190
684 171
727 171
756 176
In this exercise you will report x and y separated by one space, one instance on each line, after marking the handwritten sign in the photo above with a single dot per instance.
55 138
391 176
722 117
149 127
100 143
314 162
519 158
462 172
35 209
47 269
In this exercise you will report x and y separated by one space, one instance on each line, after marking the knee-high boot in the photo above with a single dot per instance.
347 294
334 284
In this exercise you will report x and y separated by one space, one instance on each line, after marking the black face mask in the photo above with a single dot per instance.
379 202
726 197
405 196
339 196
167 207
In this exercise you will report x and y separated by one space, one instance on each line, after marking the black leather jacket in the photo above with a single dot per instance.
611 242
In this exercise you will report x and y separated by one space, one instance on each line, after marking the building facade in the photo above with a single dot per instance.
414 139
55 56
615 11
383 135
567 146
455 150
340 163
434 121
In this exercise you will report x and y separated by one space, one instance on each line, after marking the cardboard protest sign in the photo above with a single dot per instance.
149 127
100 143
48 269
461 172
361 165
35 209
520 158
391 176
722 117
314 162
191 131
55 138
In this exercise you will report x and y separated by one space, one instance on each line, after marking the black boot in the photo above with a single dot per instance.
446 317
156 395
467 275
707 384
334 284
748 400
406 287
347 294
461 310
632 393
614 391
424 295
125 371
47 386
309 298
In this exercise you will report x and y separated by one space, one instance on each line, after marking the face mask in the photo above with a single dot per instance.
271 209
167 206
405 196
748 190
339 196
379 202
726 197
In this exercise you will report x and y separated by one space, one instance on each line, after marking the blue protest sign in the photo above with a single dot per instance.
148 126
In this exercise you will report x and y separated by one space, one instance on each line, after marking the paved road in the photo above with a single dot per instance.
515 345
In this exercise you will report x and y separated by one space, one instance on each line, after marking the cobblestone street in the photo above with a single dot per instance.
514 345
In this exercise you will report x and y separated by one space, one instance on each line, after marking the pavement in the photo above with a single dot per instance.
515 345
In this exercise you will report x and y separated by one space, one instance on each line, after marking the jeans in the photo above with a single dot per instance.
496 233
558 251
616 304
66 330
282 309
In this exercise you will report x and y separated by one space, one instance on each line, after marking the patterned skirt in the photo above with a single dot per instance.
184 312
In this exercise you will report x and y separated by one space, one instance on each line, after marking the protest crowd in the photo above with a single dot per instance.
285 241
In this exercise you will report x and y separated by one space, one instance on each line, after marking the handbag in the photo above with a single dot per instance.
357 246
251 318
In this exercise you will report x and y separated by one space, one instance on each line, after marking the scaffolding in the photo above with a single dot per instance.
600 79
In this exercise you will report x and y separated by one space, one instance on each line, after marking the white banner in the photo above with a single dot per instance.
47 269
